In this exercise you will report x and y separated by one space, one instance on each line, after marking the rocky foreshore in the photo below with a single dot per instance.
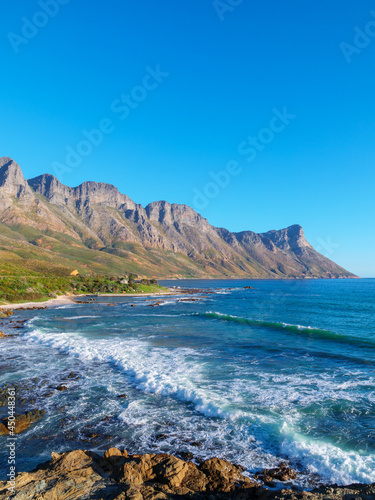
117 475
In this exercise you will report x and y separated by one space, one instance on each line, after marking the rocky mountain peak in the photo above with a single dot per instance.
165 239
171 213
46 185
12 181
101 193
86 193
291 238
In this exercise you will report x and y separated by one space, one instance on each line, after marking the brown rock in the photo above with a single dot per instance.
224 476
161 437
117 476
171 471
112 452
61 388
196 444
3 430
69 476
115 452
281 473
23 421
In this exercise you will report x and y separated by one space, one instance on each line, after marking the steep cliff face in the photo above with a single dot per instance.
163 239
12 181
19 204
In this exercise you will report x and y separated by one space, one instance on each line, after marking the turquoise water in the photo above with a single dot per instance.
283 371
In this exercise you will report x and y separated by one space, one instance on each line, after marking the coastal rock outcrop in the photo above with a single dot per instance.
22 421
281 473
119 476
83 474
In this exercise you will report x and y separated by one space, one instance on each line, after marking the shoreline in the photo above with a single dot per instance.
70 299
147 294
58 301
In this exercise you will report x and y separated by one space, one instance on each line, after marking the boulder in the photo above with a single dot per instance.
3 429
22 422
224 476
281 473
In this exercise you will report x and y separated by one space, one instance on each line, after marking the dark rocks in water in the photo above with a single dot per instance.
72 375
351 492
22 421
25 391
248 288
196 444
122 396
6 313
61 388
48 394
281 473
154 304
186 455
93 435
161 437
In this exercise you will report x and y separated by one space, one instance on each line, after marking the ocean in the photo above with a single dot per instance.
283 371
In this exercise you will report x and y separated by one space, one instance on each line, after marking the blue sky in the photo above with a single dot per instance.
180 89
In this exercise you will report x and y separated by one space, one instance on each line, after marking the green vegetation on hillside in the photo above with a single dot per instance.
28 251
39 288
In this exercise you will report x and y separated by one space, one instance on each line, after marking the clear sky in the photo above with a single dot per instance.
185 90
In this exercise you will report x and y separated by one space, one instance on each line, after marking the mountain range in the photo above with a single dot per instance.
46 226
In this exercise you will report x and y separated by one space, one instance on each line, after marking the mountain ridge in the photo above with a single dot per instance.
96 228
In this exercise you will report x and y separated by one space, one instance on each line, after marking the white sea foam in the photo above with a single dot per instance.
331 462
174 373
81 317
182 374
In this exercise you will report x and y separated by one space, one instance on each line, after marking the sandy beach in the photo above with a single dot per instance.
70 299
59 301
